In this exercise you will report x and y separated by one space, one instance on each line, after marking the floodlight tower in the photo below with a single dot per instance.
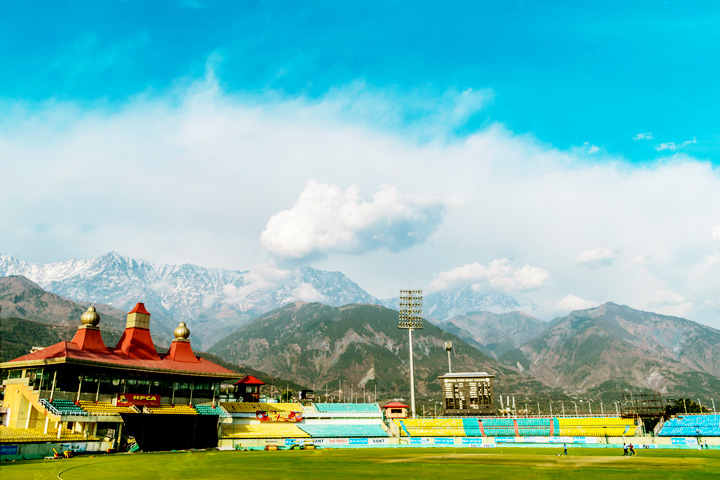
448 348
411 319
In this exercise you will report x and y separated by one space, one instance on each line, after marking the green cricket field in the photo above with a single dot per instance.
377 463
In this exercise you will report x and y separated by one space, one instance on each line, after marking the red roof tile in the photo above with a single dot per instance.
137 343
90 340
396 405
139 308
250 380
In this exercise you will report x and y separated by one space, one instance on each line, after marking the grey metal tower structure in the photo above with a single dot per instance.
448 348
411 319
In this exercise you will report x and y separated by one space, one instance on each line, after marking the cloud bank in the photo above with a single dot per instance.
200 176
501 274
596 257
326 219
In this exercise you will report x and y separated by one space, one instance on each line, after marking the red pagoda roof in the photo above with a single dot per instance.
140 308
250 380
71 353
396 405
135 350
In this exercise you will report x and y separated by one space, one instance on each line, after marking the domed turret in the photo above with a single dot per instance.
91 317
182 333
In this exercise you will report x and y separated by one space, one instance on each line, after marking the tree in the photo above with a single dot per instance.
684 405
286 396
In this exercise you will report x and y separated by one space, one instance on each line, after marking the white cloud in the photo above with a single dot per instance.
672 146
501 274
557 308
260 278
715 234
668 302
326 219
307 293
266 276
596 257
572 302
591 148
193 177
643 136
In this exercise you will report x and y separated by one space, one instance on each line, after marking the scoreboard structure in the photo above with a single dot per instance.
468 394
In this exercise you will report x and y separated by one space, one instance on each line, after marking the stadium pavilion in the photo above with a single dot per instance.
83 389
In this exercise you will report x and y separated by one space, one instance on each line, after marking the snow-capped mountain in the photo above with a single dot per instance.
441 306
213 302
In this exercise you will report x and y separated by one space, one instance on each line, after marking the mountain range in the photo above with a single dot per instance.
359 344
495 333
348 335
612 342
215 302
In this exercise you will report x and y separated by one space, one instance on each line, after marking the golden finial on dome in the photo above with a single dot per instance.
91 317
182 332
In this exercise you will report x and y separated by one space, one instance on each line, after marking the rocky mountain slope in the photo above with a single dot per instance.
609 343
18 336
22 298
359 345
494 333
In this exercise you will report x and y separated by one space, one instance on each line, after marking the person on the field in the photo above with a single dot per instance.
565 448
632 450
625 450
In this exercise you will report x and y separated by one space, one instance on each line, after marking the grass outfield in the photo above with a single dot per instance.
399 463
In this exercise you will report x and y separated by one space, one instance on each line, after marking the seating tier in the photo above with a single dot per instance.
31 435
104 408
431 427
63 407
348 407
596 426
269 430
210 410
357 430
251 407
692 426
172 410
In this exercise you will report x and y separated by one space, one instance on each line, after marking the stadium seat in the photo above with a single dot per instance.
358 430
534 427
595 426
348 408
431 427
251 407
172 410
210 410
62 407
267 430
692 426
105 408
34 435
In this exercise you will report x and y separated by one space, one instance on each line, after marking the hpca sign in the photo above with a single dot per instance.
140 399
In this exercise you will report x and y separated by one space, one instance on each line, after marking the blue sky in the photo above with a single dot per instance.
568 72
568 152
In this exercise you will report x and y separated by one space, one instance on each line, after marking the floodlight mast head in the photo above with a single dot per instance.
410 318
448 346
410 309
